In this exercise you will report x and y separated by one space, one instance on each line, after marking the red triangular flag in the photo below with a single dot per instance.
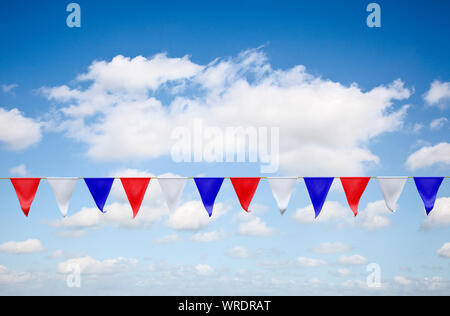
135 189
26 191
354 189
245 189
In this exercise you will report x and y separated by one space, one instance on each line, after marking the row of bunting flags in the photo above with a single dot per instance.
245 188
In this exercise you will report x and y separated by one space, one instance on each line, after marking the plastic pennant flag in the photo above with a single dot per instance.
318 189
100 189
208 189
62 189
282 189
392 188
245 189
135 189
26 191
428 189
172 189
354 189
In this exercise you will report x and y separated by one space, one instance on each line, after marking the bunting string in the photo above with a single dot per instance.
209 188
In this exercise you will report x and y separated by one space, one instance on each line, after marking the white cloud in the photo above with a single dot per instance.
90 265
238 252
402 281
20 170
8 88
204 270
9 278
445 250
435 283
207 237
438 123
440 216
429 156
332 211
438 94
254 226
168 239
22 247
417 128
310 262
352 260
191 216
330 248
18 132
343 272
118 114
119 214
374 216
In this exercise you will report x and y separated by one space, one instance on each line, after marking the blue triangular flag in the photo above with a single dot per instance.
208 189
318 189
99 188
428 189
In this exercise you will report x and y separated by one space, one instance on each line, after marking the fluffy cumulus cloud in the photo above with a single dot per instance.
439 94
204 270
438 123
168 239
401 280
127 104
354 260
305 262
238 252
330 248
18 132
118 214
331 211
191 216
208 236
22 247
428 156
10 278
444 251
20 170
440 216
89 265
254 226
374 217
8 88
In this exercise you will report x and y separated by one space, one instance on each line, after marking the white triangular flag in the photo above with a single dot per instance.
392 188
63 189
282 189
172 189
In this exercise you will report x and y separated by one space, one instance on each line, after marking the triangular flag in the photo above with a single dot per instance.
245 189
172 189
318 189
62 189
99 188
392 188
26 191
282 189
208 189
135 189
354 189
428 189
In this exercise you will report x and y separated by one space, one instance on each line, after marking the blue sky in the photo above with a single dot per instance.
369 101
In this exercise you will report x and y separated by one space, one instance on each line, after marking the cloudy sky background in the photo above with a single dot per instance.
104 99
